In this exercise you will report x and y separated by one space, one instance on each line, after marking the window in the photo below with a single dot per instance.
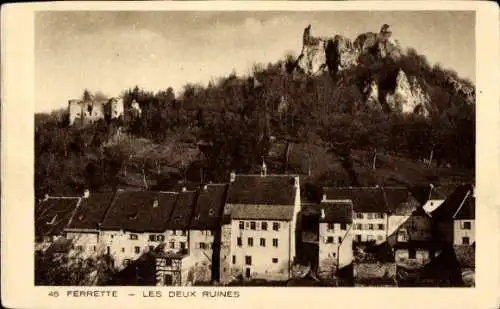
174 232
331 226
248 260
151 248
183 232
379 215
343 226
209 233
79 248
94 248
247 225
339 240
172 245
262 242
334 254
137 249
380 226
380 237
264 226
276 226
133 236
275 260
183 245
370 226
466 225
465 240
359 215
359 226
250 241
412 253
370 237
369 216
275 242
402 235
123 249
160 238
234 259
238 240
252 225
329 240
168 262
152 237
202 245
242 225
358 238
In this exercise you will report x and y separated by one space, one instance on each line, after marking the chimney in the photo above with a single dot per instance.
323 213
86 193
324 197
232 176
296 181
184 189
263 171
205 187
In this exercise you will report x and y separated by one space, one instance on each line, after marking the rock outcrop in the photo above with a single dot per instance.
339 53
402 95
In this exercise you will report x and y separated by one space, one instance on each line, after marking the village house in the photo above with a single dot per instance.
260 218
413 241
177 226
455 218
334 235
135 223
370 213
170 269
52 215
205 232
83 228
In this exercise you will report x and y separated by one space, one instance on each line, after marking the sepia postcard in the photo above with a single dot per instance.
250 154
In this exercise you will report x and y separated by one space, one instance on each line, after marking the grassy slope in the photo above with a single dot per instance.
326 168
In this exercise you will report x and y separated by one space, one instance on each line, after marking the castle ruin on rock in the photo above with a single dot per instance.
82 112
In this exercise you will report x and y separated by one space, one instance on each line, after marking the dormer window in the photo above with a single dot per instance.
197 217
211 212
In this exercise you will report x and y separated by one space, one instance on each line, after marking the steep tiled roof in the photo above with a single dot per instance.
364 199
262 212
91 211
53 214
209 207
262 190
450 208
183 210
139 211
400 201
335 212
423 193
468 210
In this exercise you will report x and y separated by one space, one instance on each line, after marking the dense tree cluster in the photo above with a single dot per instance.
235 120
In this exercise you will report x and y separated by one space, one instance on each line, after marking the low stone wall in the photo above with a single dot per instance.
374 274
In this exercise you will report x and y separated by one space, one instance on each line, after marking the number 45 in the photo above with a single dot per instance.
54 294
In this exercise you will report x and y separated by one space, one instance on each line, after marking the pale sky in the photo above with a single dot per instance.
113 51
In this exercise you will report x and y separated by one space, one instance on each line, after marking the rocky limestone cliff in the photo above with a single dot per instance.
340 53
406 96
